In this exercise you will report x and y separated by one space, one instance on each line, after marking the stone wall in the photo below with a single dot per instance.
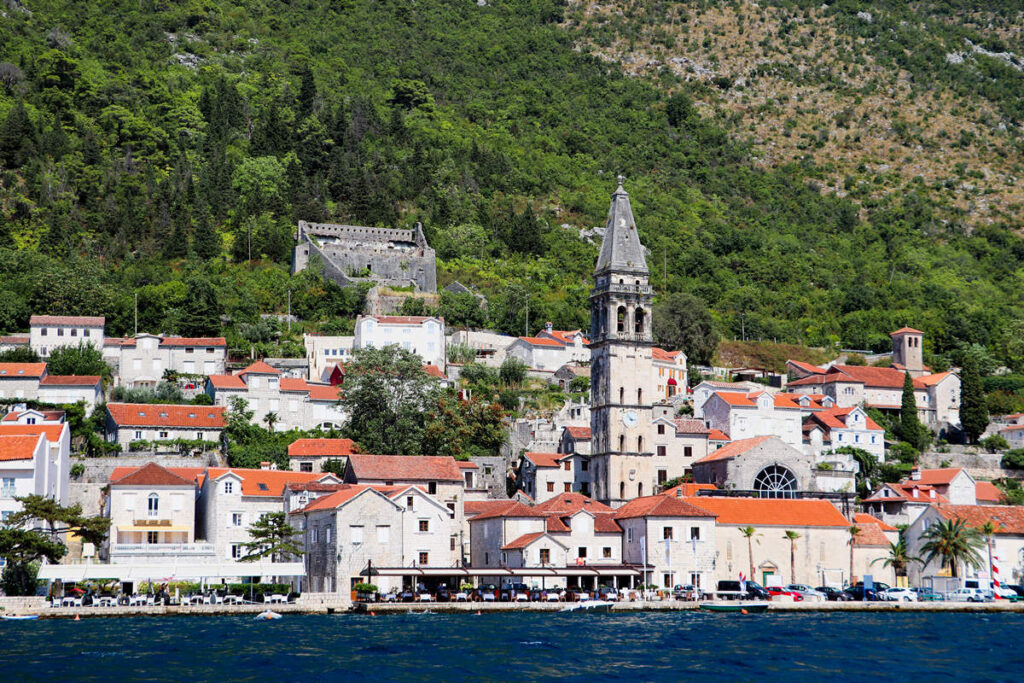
98 470
981 466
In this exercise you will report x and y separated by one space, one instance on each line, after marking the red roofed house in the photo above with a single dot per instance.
670 375
672 539
743 416
423 335
901 503
438 475
23 470
575 440
152 513
142 360
294 403
49 332
128 422
545 475
702 392
1007 541
50 475
825 430
678 442
392 527
32 382
309 455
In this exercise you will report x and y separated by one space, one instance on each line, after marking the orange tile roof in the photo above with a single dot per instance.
512 509
987 492
15 339
18 447
663 355
864 518
1008 519
83 320
226 382
160 415
51 415
579 433
660 506
404 467
193 341
555 523
566 336
53 432
936 477
689 425
870 536
807 367
835 418
259 368
604 523
434 371
905 330
472 508
907 492
773 511
569 503
545 459
192 474
266 483
542 341
70 380
717 435
304 448
151 474
336 499
21 370
523 541
734 448
689 489
931 380
324 392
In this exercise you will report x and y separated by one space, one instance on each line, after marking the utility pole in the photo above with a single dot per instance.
743 326
527 332
664 266
136 314
289 310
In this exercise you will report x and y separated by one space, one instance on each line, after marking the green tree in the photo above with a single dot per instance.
853 531
973 408
23 549
78 360
462 310
463 429
748 532
899 557
388 396
21 354
682 321
201 315
954 542
206 242
512 372
791 536
911 429
995 443
272 537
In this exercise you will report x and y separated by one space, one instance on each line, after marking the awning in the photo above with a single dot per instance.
154 528
168 571
617 570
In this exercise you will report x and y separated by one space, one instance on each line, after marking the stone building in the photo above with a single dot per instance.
49 332
143 359
128 422
350 254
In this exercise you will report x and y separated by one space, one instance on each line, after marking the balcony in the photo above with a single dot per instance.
629 289
190 549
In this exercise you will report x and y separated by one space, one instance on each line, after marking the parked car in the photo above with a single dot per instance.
756 591
898 595
927 595
857 591
1016 588
971 595
777 591
1006 593
834 594
806 591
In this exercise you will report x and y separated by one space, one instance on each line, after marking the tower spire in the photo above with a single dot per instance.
621 250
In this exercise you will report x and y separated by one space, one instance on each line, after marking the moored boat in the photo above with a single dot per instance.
269 614
738 607
19 617
589 606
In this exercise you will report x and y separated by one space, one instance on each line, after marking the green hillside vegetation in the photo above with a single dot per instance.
151 147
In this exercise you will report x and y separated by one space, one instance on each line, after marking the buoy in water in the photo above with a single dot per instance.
478 612
78 617
743 611
372 613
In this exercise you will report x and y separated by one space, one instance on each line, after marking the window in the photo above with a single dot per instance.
424 558
606 552
551 487
662 450
662 476
409 503
688 451
568 465
356 534
629 534
666 533
42 332
152 537
305 467
661 429
584 465
163 435
775 481
189 349
229 486
383 534
639 444
581 552
154 505
424 525
432 488
545 556
452 541
695 580
313 535
694 533
60 331
74 332
236 549
86 333
138 433
236 519
451 508
327 535
666 580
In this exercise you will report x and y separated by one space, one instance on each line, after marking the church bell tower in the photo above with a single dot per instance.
620 362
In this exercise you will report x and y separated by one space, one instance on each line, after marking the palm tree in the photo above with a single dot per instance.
792 536
954 542
899 557
271 420
748 533
988 529
854 530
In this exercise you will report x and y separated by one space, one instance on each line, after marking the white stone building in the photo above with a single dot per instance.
489 346
128 422
423 335
310 455
703 391
49 332
141 361
670 374
32 382
325 352
744 416
825 430
23 467
50 475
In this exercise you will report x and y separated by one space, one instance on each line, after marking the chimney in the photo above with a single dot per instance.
264 465
679 492
917 493
548 327
915 474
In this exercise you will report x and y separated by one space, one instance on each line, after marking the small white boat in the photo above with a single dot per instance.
266 615
589 606
19 617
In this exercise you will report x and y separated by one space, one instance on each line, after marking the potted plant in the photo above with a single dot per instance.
365 591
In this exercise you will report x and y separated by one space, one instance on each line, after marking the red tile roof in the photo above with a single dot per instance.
22 370
158 415
523 541
472 508
511 509
907 492
987 492
259 368
905 330
689 425
324 392
660 506
70 380
555 523
226 382
18 447
773 511
193 341
467 465
604 523
51 415
344 494
14 339
937 477
82 320
870 536
191 474
545 459
734 448
404 467
434 371
579 433
266 483
1008 519
663 355
569 503
542 341
304 448
864 518
835 418
689 490
717 435
807 367
53 432
566 336
151 474
931 380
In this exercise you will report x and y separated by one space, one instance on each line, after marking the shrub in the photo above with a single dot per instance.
994 443
1013 459
365 588
77 470
904 453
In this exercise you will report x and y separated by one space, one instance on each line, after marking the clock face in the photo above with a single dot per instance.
629 418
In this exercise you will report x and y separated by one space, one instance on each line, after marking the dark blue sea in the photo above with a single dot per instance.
648 646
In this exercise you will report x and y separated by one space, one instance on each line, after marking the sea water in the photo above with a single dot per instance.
647 646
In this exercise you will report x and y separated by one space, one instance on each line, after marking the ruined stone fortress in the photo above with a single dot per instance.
350 254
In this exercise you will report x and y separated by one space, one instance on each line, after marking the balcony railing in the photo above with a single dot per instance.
161 549
629 289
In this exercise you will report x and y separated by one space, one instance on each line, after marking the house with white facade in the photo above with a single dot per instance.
489 346
325 352
50 475
32 382
49 332
826 430
23 463
670 374
703 391
309 455
154 422
141 361
423 335
546 475
744 416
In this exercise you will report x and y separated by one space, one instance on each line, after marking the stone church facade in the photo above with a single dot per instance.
350 254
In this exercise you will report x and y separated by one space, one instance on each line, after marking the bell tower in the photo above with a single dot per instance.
620 362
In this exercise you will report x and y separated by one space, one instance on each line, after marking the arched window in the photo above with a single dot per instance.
622 442
639 490
620 318
622 395
638 321
154 505
639 397
775 481
639 444
622 489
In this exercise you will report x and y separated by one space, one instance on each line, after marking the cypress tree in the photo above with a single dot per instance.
973 408
911 429
205 240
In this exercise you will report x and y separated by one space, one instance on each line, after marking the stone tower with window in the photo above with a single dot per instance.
907 353
620 364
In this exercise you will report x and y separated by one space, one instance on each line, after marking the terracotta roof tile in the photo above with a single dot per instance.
569 503
259 368
935 477
864 518
512 509
987 492
335 500
266 483
905 330
579 433
773 511
53 432
1008 519
604 523
160 415
931 380
51 415
660 506
473 508
70 380
663 355
192 474
434 371
717 435
18 447
21 370
226 382
80 320
151 474
807 367
542 341
870 536
523 541
689 489
545 459
404 468
734 448
566 336
555 523
304 448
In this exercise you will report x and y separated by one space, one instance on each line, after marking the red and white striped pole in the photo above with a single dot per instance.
995 577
